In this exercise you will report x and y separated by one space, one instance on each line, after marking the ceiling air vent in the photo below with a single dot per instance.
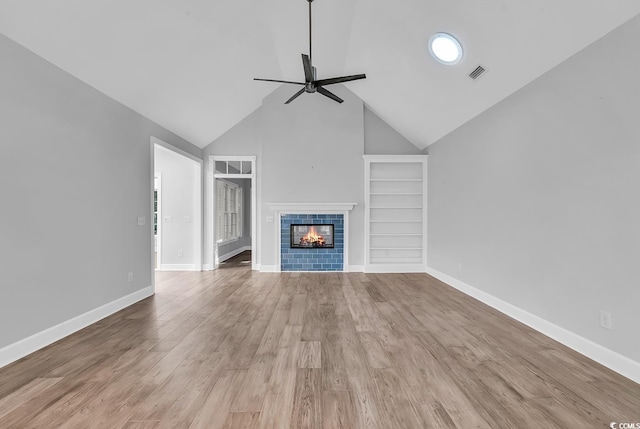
477 72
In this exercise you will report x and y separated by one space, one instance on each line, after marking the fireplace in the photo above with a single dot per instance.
312 236
329 220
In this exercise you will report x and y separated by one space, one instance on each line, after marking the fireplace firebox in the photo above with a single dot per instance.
312 236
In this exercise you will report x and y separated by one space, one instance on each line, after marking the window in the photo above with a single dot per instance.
445 48
155 212
229 211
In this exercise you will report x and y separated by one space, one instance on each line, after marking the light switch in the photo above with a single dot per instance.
141 220
167 218
187 219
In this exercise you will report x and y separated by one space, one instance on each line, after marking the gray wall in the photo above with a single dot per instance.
381 139
538 198
312 152
75 172
312 132
243 139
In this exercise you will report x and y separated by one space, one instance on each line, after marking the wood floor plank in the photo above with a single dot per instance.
307 399
24 394
241 421
254 388
310 354
216 406
296 316
278 402
38 402
376 356
235 348
394 400
337 410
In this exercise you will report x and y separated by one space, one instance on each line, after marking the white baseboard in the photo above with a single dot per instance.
395 268
177 267
26 346
269 269
233 253
612 360
206 267
355 269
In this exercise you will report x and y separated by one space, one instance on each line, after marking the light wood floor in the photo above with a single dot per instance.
238 349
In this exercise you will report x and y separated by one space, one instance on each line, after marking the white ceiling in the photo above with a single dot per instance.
188 65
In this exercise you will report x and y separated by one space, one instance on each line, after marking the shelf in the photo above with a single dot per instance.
396 248
396 221
395 208
394 215
395 193
394 235
395 180
396 257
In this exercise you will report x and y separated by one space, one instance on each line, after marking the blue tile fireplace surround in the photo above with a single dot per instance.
311 259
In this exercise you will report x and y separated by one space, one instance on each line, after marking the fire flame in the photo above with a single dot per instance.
312 238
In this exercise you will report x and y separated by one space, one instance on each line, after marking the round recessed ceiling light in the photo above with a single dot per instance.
445 48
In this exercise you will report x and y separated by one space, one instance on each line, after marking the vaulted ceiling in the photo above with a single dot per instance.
188 65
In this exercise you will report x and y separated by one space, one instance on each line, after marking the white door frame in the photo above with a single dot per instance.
158 177
210 221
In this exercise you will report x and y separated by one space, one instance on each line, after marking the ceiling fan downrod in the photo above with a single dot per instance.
310 56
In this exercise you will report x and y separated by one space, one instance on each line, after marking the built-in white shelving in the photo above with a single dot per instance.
395 216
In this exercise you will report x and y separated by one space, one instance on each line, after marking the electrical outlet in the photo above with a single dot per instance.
605 319
130 277
460 266
181 253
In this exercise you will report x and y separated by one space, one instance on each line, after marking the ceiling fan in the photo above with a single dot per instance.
311 82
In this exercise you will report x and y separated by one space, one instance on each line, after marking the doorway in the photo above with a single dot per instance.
177 209
232 213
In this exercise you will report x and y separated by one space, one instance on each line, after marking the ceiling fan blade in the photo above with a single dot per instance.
308 70
296 95
329 94
279 81
341 79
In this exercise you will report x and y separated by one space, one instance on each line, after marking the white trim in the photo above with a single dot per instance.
172 148
153 262
206 267
178 267
233 158
233 253
158 261
26 346
313 208
390 267
198 225
396 158
269 269
612 360
356 269
395 268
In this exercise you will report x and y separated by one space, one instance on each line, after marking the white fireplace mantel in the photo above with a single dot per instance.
304 208
312 208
